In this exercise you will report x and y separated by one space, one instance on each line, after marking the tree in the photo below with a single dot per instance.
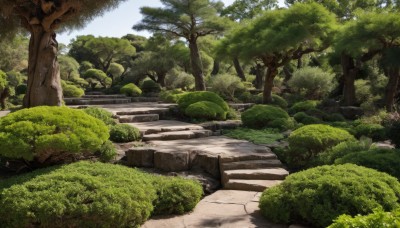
95 77
188 19
41 18
69 67
14 53
282 35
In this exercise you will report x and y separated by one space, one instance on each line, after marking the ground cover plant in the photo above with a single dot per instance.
263 136
378 218
266 116
122 133
101 114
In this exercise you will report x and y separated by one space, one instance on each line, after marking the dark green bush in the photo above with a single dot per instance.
307 142
394 133
279 101
49 134
384 160
150 86
131 90
306 119
86 194
266 116
374 131
107 152
21 89
205 110
377 219
303 106
101 114
319 195
194 97
122 133
335 117
247 97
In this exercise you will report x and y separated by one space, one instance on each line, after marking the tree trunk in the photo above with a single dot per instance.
161 78
3 97
216 67
197 66
239 69
272 71
350 72
258 83
391 88
44 87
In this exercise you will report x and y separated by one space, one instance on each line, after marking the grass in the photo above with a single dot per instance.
263 136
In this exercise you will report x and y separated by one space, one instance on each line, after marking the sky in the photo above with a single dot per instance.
118 22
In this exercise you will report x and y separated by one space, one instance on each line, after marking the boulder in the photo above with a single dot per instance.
171 160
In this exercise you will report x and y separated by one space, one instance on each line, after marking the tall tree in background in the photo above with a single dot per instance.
41 18
188 19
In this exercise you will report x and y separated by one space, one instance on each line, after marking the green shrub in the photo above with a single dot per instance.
377 219
72 90
335 117
179 80
131 90
306 119
21 89
100 114
49 134
319 195
393 133
375 131
303 106
247 97
122 133
150 86
107 151
227 86
265 116
86 194
307 142
171 96
194 97
205 110
264 136
384 160
279 101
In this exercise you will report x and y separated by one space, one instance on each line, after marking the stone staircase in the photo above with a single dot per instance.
98 99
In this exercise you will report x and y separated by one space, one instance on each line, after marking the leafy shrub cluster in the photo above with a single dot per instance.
304 118
86 194
100 114
279 101
227 86
374 131
131 90
150 86
122 133
378 218
319 195
193 97
49 134
266 116
70 90
171 96
179 80
303 106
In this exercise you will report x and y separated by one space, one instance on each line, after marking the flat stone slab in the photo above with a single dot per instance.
250 185
165 126
139 118
177 135
256 174
252 164
4 113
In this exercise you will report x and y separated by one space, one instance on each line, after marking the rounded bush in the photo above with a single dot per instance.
150 86
205 110
307 142
384 160
21 89
131 90
171 96
72 91
319 195
262 116
279 101
190 98
374 131
303 106
107 152
306 119
87 194
50 134
335 117
375 219
124 133
100 114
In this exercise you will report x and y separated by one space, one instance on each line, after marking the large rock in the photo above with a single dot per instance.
140 157
171 160
351 112
206 162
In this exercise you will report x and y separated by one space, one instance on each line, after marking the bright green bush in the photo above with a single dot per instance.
319 195
171 96
70 90
375 131
377 219
307 142
306 119
205 110
303 106
107 152
122 133
47 134
265 116
226 85
150 86
279 101
384 160
131 90
101 114
86 194
194 97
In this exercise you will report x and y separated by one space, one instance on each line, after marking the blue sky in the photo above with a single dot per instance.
118 22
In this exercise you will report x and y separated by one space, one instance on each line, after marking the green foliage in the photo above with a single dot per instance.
375 131
115 70
319 195
86 194
303 106
95 77
150 86
122 133
264 136
394 133
205 110
15 78
384 160
312 82
306 119
70 90
171 96
307 142
21 89
179 80
131 90
193 97
69 67
226 85
376 219
335 117
247 9
3 80
279 101
266 116
101 114
107 151
45 133
363 91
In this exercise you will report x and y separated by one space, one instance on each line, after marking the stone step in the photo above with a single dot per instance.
255 174
252 164
94 93
177 135
263 155
139 118
102 96
145 99
250 185
165 126
83 101
241 106
142 111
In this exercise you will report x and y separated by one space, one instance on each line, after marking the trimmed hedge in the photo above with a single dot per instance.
101 114
377 219
150 86
306 119
303 106
190 98
205 110
72 90
319 195
49 134
131 90
279 101
86 194
122 133
171 96
266 116
375 131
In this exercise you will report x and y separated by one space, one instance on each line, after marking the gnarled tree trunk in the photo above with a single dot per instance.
391 88
161 78
270 75
239 69
258 82
216 67
44 83
197 65
350 72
